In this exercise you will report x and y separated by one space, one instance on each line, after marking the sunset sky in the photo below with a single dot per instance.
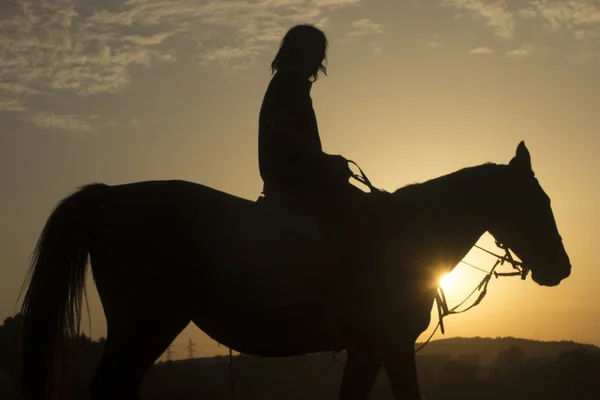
123 91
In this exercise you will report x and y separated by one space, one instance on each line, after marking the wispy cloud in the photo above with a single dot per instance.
51 46
434 42
365 26
579 18
45 45
65 122
587 35
517 53
16 88
251 26
524 51
332 3
150 40
11 105
527 13
494 12
570 14
238 57
482 51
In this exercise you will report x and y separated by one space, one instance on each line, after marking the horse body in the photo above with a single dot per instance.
216 259
166 253
247 274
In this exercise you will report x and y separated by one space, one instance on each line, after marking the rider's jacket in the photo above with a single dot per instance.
290 155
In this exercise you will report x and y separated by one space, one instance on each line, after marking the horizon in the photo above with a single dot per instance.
124 92
421 353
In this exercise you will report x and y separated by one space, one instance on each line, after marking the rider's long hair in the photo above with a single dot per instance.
299 47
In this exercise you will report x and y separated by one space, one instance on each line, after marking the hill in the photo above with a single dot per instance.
487 349
449 369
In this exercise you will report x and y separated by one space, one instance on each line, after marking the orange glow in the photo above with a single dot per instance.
448 282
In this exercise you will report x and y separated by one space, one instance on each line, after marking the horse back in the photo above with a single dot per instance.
209 245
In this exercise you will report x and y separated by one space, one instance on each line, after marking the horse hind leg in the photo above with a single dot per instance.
132 346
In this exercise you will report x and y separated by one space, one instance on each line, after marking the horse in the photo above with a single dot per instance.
164 253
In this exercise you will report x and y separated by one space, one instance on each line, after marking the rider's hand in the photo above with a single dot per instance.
341 167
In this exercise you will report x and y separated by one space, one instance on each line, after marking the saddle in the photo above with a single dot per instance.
305 215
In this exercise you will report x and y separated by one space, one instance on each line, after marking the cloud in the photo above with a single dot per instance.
149 40
569 14
364 27
482 51
518 53
495 12
527 13
16 88
55 46
335 3
49 46
11 105
580 18
236 57
66 122
523 51
587 35
434 42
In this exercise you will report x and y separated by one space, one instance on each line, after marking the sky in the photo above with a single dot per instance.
125 91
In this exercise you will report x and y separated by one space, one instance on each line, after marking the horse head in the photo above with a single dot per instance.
524 222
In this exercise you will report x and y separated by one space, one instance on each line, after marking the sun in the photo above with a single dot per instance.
448 282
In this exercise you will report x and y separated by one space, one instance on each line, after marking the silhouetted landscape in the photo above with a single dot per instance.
459 368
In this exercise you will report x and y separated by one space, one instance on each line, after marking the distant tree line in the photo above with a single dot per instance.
572 374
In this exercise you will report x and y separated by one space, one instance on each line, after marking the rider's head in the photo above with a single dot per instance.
303 47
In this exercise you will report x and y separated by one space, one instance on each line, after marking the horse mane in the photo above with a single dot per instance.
426 194
468 174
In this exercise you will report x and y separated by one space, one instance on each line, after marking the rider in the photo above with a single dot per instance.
293 166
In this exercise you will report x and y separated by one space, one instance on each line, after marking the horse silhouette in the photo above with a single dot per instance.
263 289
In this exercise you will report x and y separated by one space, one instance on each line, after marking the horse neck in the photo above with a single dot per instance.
449 213
470 195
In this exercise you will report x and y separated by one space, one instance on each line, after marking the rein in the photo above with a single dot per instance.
442 303
362 178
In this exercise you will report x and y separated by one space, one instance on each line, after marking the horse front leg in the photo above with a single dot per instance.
401 368
360 373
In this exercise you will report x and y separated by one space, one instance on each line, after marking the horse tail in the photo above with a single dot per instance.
52 304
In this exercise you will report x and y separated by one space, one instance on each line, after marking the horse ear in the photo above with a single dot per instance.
522 160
